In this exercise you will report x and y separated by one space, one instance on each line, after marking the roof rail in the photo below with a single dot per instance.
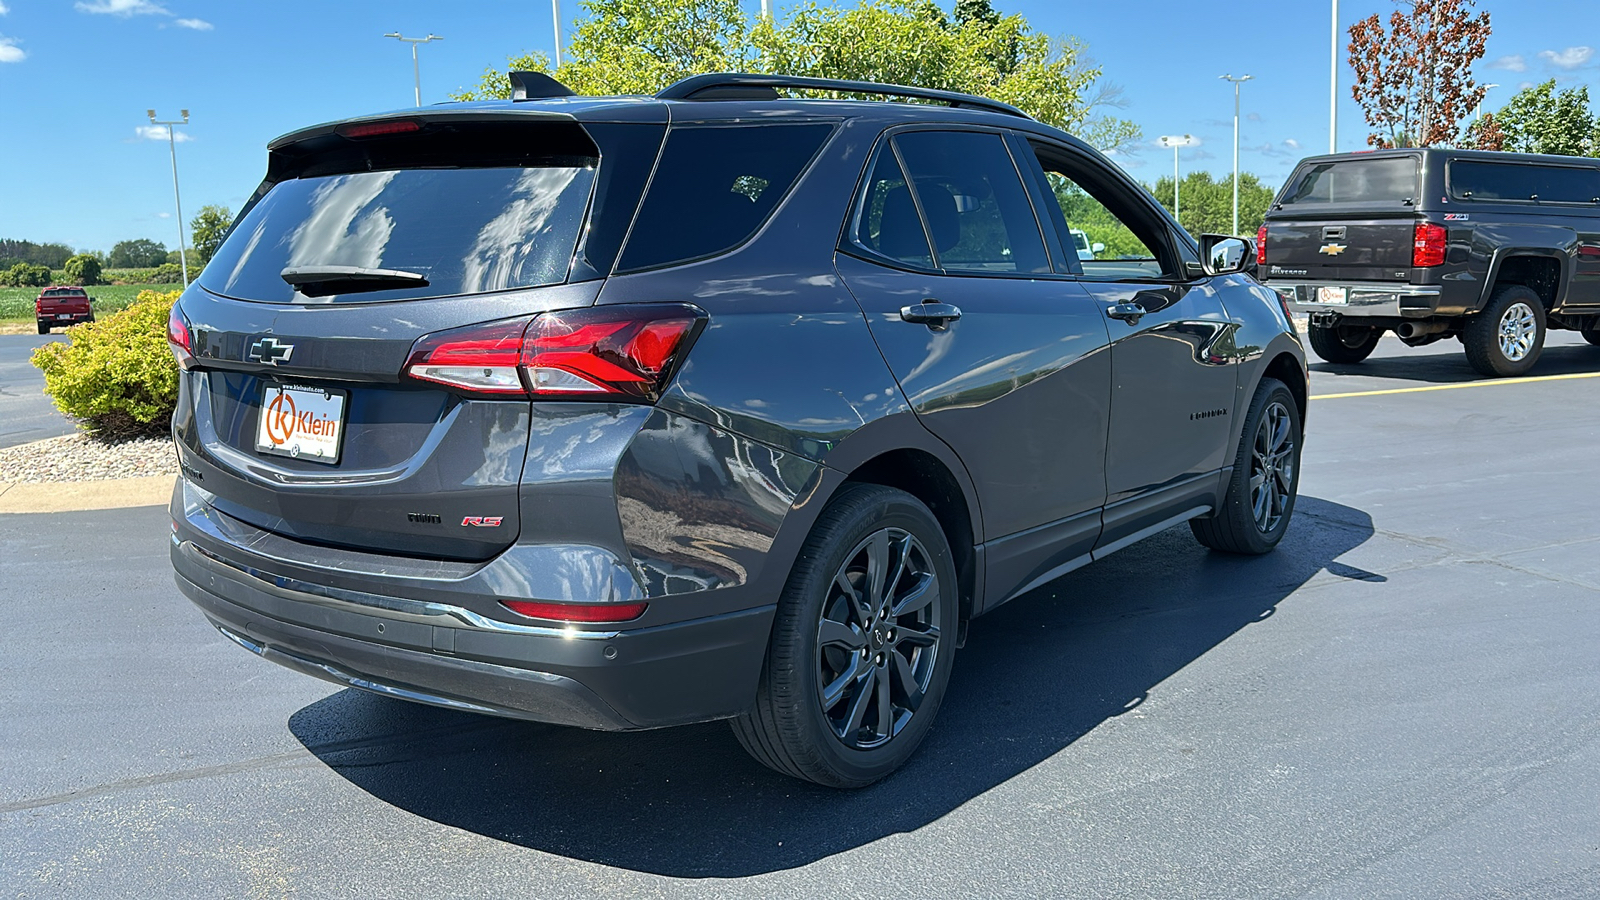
734 86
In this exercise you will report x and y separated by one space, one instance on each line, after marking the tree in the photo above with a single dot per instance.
49 255
26 275
142 253
1207 203
1539 119
1485 134
1414 80
640 46
83 270
207 229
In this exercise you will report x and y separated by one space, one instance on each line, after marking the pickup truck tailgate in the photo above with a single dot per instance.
1365 249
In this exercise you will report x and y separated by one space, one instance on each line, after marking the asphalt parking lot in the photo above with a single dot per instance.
26 414
1400 702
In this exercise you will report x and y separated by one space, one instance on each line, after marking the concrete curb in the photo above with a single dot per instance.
68 496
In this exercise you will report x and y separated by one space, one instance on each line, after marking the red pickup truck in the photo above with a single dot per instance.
62 306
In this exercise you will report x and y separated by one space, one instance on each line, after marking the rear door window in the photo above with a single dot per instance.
886 223
715 187
976 209
1382 182
1473 180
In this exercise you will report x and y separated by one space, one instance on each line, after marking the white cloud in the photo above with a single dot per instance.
9 51
1512 63
1291 143
3 9
122 8
159 133
196 24
1570 58
163 215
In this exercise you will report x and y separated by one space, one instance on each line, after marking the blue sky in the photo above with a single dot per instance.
77 77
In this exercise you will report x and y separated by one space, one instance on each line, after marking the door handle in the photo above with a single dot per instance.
931 313
1127 311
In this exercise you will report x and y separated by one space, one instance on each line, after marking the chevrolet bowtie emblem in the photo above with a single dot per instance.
1332 249
269 351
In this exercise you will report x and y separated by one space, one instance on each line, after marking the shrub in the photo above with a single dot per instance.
167 273
26 275
82 269
116 375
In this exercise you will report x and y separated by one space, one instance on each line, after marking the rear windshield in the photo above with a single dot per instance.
1471 180
1390 181
715 186
64 292
465 230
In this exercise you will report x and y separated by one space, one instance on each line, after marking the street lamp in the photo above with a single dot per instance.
1478 114
1175 141
1236 82
1333 84
172 145
416 69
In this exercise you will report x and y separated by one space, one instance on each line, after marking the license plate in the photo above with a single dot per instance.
302 422
63 315
1334 295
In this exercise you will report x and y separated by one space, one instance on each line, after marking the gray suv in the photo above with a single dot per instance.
627 412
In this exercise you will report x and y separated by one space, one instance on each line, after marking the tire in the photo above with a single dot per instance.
44 328
1507 336
792 727
1344 343
1592 334
1270 440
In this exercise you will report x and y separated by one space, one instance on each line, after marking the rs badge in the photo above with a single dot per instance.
482 521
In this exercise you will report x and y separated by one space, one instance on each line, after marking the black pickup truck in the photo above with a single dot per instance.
1489 248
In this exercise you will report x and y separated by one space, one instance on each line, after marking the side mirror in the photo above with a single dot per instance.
1097 247
1225 255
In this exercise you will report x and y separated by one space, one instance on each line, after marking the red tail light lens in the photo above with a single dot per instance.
178 336
479 358
374 129
1428 248
588 613
1261 246
608 352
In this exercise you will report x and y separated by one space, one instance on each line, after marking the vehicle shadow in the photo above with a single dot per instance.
1035 676
1445 363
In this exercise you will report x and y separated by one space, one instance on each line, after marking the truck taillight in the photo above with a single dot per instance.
1429 245
607 352
1261 246
178 337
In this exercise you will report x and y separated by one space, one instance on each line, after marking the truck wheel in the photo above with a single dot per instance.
1344 343
1508 335
1255 510
862 646
1592 334
44 328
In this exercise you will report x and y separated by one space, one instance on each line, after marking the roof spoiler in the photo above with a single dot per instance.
537 86
731 86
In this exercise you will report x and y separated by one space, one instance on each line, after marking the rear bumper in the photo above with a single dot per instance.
69 318
447 655
1363 299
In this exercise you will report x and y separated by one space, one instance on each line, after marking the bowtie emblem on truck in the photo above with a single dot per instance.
1333 249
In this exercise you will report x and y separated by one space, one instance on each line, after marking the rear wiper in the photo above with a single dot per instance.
320 281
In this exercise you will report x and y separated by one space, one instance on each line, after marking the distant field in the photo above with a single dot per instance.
16 304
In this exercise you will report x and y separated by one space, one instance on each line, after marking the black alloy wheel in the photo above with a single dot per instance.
1259 501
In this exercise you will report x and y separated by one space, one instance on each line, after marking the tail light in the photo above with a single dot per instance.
607 352
1261 246
178 337
1429 245
587 613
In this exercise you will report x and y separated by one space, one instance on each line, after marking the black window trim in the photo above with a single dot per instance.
1450 188
777 209
849 246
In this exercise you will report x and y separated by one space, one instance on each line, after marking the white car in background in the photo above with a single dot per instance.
1085 249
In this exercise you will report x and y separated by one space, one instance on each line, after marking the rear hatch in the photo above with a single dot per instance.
55 302
1344 218
294 410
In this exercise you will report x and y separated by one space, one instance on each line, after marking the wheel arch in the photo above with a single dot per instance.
1542 271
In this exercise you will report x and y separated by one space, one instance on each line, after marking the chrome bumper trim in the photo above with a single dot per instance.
1364 299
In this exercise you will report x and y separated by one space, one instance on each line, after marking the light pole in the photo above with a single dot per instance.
1333 84
172 145
1175 141
1478 114
1236 82
555 13
416 68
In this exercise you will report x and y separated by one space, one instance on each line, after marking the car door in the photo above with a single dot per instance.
1174 382
999 355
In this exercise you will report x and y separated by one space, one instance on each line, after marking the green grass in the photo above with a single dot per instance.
16 304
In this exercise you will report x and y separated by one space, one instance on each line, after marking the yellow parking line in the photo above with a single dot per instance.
1450 387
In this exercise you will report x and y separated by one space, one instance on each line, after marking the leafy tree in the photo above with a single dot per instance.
1485 133
207 229
641 46
167 273
53 256
1206 204
26 275
137 254
82 269
1540 119
1414 79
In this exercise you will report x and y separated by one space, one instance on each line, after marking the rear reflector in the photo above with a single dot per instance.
588 613
1429 245
373 129
608 352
